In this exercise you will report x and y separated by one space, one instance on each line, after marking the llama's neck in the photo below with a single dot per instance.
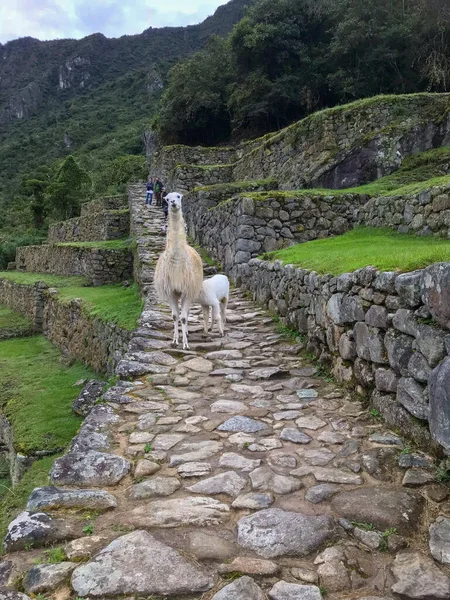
176 233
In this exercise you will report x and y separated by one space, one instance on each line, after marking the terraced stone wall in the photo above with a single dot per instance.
186 177
101 204
18 297
385 333
424 213
98 226
99 265
242 228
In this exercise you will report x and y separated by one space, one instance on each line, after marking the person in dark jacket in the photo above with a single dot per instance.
157 188
150 189
165 204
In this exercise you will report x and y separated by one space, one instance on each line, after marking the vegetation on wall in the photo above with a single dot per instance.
288 58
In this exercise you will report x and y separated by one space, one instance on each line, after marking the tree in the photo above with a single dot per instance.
71 184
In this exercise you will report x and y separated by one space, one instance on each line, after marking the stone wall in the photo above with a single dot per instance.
101 204
385 333
99 226
424 213
18 297
239 229
99 265
186 177
334 148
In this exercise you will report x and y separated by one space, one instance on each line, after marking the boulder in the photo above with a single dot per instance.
240 589
51 497
440 540
38 529
418 578
439 404
89 468
88 397
46 578
292 591
436 292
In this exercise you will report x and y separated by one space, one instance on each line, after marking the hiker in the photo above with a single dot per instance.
150 187
165 204
157 188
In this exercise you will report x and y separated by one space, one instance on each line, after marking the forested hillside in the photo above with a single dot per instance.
288 58
88 98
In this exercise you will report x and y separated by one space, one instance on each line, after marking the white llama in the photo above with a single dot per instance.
214 295
179 270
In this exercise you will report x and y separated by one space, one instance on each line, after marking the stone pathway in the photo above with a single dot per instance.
232 471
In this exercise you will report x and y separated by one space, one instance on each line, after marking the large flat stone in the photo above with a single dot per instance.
229 483
244 424
198 510
243 588
46 578
292 591
254 500
237 461
418 578
139 564
195 452
38 529
440 540
265 479
89 468
439 398
383 506
156 486
336 476
274 532
51 497
231 407
290 434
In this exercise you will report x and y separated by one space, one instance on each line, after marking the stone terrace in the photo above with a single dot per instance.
231 471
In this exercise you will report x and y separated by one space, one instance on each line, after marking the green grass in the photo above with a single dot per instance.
382 248
111 303
13 502
123 244
9 319
36 393
54 281
238 186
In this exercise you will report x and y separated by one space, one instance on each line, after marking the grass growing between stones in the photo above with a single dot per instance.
36 393
55 281
123 244
112 303
12 502
382 248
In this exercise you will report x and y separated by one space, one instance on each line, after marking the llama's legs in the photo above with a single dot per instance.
223 310
175 316
216 317
185 308
205 310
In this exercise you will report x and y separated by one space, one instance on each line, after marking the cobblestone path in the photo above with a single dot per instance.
233 471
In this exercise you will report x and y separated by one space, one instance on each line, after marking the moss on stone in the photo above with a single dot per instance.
237 186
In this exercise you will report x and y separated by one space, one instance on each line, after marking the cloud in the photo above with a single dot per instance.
51 19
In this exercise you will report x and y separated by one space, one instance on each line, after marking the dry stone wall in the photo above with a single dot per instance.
21 298
99 226
384 332
101 204
99 265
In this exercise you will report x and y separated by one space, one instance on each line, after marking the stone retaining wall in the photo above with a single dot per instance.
385 333
99 265
18 297
242 228
101 204
99 226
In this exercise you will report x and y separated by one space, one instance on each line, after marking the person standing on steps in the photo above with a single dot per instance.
158 186
150 189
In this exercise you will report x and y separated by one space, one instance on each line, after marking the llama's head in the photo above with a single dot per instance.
174 201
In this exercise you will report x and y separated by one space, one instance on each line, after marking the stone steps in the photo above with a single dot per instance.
235 458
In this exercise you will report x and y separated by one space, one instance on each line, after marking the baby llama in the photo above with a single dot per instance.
214 295
179 270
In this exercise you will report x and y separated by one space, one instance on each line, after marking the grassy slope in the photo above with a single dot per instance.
56 281
383 248
36 393
108 245
9 319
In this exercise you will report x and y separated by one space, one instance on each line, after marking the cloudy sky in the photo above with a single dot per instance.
51 19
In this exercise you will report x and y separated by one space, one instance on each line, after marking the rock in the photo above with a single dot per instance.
417 477
344 309
195 452
265 444
440 540
436 292
280 460
50 497
194 469
334 576
167 441
84 548
250 566
371 539
229 483
289 434
408 287
199 364
131 369
418 578
243 588
319 457
286 415
305 574
89 468
321 492
146 467
10 595
88 397
439 398
199 510
254 500
242 424
412 396
45 578
37 530
228 406
336 476
377 316
157 486
140 437
384 507
437 493
274 532
307 394
265 479
410 459
418 367
386 380
292 591
146 422
331 437
138 564
205 546
236 461
310 422
388 439
399 349
266 373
